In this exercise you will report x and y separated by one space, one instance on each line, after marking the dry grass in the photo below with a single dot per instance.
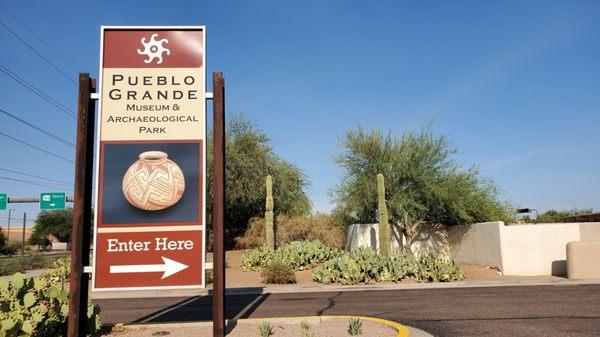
321 227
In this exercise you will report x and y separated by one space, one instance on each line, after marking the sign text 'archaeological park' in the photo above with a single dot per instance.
150 198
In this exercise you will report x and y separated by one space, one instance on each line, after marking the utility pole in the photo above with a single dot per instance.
23 236
8 231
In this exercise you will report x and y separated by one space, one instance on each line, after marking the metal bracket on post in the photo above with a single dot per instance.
95 95
209 95
87 269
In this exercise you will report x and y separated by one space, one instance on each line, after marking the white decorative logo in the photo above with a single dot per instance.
154 49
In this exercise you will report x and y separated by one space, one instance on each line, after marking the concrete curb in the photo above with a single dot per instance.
403 331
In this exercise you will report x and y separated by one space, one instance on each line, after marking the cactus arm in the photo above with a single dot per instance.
269 228
384 226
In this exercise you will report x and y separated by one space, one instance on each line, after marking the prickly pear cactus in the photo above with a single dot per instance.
36 307
269 227
385 246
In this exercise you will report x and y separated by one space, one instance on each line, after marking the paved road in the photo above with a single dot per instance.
491 311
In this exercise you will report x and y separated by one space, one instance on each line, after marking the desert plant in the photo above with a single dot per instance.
269 228
366 267
250 157
11 248
354 326
305 327
20 264
424 183
385 246
297 254
278 272
37 307
3 240
265 329
322 227
431 268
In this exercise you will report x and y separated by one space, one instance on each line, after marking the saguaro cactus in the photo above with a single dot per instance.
384 227
269 230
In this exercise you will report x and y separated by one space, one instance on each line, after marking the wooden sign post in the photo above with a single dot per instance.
218 219
82 208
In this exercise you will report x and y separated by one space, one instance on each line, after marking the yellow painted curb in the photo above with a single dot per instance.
402 330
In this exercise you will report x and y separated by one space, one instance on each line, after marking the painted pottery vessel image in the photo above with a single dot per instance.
153 182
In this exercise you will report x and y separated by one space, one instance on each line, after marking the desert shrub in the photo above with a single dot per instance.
22 263
367 267
432 268
37 307
3 241
278 272
11 248
296 254
10 266
320 227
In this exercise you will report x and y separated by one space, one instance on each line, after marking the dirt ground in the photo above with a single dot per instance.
16 232
236 278
324 327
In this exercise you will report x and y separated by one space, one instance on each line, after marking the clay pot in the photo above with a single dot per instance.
153 182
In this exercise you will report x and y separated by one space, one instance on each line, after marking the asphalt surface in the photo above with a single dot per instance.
565 310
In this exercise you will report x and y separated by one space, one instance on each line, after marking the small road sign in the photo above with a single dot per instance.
49 201
3 201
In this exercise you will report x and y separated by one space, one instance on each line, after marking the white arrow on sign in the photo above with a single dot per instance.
169 267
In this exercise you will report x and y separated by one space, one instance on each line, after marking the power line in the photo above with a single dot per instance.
35 147
37 183
38 53
35 176
47 133
39 38
37 91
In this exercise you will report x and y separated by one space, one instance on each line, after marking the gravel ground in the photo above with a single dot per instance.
325 327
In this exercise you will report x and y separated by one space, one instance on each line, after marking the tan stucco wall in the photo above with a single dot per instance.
524 249
589 231
536 249
477 244
583 259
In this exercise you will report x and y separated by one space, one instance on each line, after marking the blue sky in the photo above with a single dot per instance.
514 84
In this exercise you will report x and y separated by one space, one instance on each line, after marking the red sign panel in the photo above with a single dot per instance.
150 214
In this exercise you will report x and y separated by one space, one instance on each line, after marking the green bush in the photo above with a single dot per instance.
10 266
2 240
431 268
278 272
11 248
298 255
37 307
321 227
367 267
21 264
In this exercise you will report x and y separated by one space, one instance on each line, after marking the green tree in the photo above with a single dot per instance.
2 240
424 184
57 223
249 159
554 216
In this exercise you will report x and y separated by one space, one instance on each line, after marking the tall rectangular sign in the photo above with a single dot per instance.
3 201
150 217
